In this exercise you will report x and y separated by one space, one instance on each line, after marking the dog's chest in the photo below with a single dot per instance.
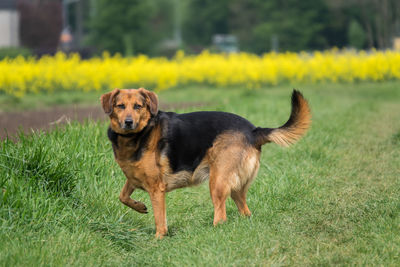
143 172
132 173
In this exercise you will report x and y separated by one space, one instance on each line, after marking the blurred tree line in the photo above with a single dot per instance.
160 27
131 26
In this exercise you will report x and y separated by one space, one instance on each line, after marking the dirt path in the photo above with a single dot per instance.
11 122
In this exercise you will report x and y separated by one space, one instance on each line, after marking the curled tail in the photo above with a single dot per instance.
292 130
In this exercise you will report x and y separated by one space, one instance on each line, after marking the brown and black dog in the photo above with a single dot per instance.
162 151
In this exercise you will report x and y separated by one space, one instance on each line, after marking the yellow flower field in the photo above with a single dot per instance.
48 74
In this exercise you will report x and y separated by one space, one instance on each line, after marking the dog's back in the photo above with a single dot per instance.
190 135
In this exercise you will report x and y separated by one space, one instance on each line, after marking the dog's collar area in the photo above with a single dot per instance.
112 135
125 135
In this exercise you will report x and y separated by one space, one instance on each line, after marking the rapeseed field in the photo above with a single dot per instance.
20 76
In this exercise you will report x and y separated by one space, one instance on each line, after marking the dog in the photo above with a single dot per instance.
162 151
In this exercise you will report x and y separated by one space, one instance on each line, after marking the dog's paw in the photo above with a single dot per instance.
159 236
161 233
140 207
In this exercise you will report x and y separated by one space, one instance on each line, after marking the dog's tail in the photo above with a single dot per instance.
292 130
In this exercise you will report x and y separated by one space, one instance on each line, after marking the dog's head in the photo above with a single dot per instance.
129 109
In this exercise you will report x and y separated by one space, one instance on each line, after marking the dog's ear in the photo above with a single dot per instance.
151 100
107 101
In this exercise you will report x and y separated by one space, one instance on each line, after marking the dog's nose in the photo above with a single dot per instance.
128 122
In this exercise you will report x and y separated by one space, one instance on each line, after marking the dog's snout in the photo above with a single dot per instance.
128 121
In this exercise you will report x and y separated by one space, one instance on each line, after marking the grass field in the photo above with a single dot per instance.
331 199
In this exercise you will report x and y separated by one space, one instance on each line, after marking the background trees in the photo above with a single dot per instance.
134 26
122 26
292 25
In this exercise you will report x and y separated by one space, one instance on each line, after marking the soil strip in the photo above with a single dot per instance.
27 121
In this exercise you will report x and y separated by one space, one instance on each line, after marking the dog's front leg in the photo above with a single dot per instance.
157 196
125 197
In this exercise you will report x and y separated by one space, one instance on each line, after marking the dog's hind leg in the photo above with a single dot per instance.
247 171
125 197
233 165
219 192
240 200
223 158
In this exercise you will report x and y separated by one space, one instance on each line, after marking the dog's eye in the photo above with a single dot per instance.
121 106
136 106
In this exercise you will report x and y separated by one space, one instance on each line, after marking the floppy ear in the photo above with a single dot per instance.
107 101
151 100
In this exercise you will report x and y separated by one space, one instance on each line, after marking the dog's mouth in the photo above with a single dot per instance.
128 127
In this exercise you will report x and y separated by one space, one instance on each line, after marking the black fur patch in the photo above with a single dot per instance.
260 134
113 137
190 135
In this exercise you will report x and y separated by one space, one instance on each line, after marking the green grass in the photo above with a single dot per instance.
331 199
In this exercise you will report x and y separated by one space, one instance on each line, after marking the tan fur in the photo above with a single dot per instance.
184 178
